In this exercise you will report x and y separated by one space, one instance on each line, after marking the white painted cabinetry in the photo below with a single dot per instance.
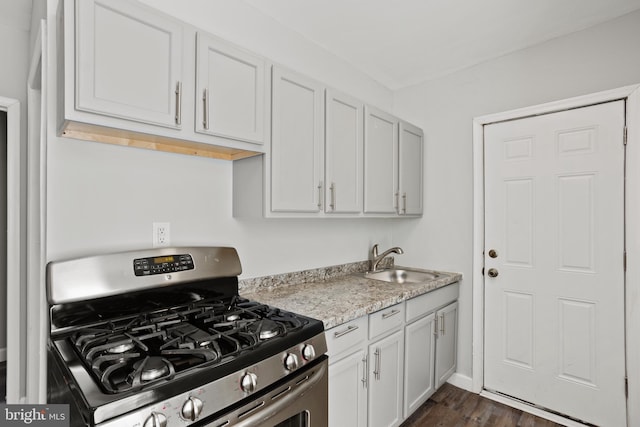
129 62
393 167
382 367
230 90
430 344
447 323
410 169
130 74
344 153
380 162
297 155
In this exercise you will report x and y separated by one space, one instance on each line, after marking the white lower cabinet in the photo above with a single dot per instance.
348 391
382 367
385 381
419 355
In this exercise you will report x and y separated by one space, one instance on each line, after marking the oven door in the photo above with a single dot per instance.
301 401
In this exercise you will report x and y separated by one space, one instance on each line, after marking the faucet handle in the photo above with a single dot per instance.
374 251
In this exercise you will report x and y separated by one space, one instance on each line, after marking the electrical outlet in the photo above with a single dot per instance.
161 234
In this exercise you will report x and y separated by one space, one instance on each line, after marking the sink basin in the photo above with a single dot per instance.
400 276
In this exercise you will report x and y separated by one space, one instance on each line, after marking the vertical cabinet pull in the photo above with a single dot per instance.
178 103
364 372
376 367
404 203
442 324
205 109
320 195
397 203
435 326
332 203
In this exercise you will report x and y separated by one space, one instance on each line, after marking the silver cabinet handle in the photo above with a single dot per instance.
376 368
389 314
179 103
404 203
205 109
435 326
333 196
364 372
320 195
442 324
345 332
397 203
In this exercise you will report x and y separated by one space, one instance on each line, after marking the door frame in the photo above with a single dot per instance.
632 237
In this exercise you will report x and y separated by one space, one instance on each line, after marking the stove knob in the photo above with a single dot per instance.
308 352
192 408
249 382
291 362
156 419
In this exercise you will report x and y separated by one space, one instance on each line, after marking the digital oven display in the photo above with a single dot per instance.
162 264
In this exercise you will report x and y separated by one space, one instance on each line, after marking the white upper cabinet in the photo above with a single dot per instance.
297 144
380 162
230 91
410 170
129 62
130 79
343 153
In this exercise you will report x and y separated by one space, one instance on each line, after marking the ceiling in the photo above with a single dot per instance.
403 42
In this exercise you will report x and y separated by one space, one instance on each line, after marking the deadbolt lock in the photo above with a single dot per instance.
493 253
492 272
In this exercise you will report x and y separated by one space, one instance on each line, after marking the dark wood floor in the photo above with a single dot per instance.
453 407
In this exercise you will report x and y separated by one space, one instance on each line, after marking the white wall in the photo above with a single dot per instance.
599 58
104 198
14 51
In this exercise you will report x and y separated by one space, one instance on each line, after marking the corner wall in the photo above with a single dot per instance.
599 58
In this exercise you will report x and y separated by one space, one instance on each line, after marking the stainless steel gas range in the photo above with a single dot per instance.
161 337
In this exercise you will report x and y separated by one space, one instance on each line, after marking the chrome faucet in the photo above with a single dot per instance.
375 259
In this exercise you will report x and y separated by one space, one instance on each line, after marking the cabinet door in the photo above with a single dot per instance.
410 169
380 162
419 353
230 91
348 391
296 146
343 153
385 381
447 322
129 62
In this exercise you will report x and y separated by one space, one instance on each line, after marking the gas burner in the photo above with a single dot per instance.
233 317
151 368
266 329
121 348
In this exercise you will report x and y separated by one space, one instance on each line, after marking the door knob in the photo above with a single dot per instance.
493 253
493 272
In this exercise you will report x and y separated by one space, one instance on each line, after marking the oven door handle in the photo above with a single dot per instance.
262 410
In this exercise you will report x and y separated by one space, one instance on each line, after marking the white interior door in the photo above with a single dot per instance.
554 215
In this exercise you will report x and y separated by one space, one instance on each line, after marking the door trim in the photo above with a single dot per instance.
632 230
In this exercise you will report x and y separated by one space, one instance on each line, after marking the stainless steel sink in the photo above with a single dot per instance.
399 275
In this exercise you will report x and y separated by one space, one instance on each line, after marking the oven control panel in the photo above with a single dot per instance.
162 264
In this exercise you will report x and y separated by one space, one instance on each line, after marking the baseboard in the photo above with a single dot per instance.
514 403
3 354
461 381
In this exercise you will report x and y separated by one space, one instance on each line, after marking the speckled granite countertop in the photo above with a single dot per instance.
337 298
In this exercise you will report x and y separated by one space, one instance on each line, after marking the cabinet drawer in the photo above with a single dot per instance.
386 320
419 306
349 335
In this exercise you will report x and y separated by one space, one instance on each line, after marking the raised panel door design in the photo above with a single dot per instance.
348 391
564 317
380 162
230 91
410 169
343 153
385 381
296 146
419 358
129 62
446 343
